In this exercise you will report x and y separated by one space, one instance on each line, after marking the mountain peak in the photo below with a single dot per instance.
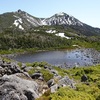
24 21
20 11
62 19
60 14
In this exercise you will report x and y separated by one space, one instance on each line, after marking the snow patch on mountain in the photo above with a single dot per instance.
29 20
69 21
20 20
33 21
57 19
75 45
36 30
43 22
80 23
62 35
17 23
61 14
51 31
62 19
16 16
21 27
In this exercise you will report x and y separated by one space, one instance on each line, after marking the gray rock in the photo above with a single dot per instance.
36 75
23 66
44 88
13 87
46 67
41 78
38 68
54 72
54 88
1 71
57 77
9 72
27 75
62 82
51 82
9 68
66 81
28 68
1 62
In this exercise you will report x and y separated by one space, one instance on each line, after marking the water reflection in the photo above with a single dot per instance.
77 57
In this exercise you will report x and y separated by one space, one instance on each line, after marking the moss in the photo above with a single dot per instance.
19 64
70 94
6 59
29 64
89 89
46 74
62 71
83 91
35 64
32 71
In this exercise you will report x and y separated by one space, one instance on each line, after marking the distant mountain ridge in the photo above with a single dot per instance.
62 19
24 21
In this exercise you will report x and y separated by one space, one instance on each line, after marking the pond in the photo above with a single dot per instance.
64 58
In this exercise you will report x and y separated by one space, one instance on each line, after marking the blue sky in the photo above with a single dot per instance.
87 11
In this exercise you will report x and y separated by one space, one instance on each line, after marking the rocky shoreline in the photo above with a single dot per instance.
17 84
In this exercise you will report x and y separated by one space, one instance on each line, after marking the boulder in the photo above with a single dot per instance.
1 62
46 67
54 72
51 82
57 77
41 78
1 71
9 68
13 87
54 88
26 69
38 68
36 75
58 82
66 81
23 66
84 78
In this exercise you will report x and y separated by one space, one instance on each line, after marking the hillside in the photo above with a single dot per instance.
24 31
42 81
20 31
23 21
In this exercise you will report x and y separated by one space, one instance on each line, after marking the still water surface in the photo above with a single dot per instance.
65 58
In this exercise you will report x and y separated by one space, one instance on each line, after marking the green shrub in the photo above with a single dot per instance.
70 94
46 74
35 64
61 72
88 71
32 71
19 64
79 73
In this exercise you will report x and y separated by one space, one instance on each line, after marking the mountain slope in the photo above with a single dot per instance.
20 30
71 22
62 19
18 19
23 21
